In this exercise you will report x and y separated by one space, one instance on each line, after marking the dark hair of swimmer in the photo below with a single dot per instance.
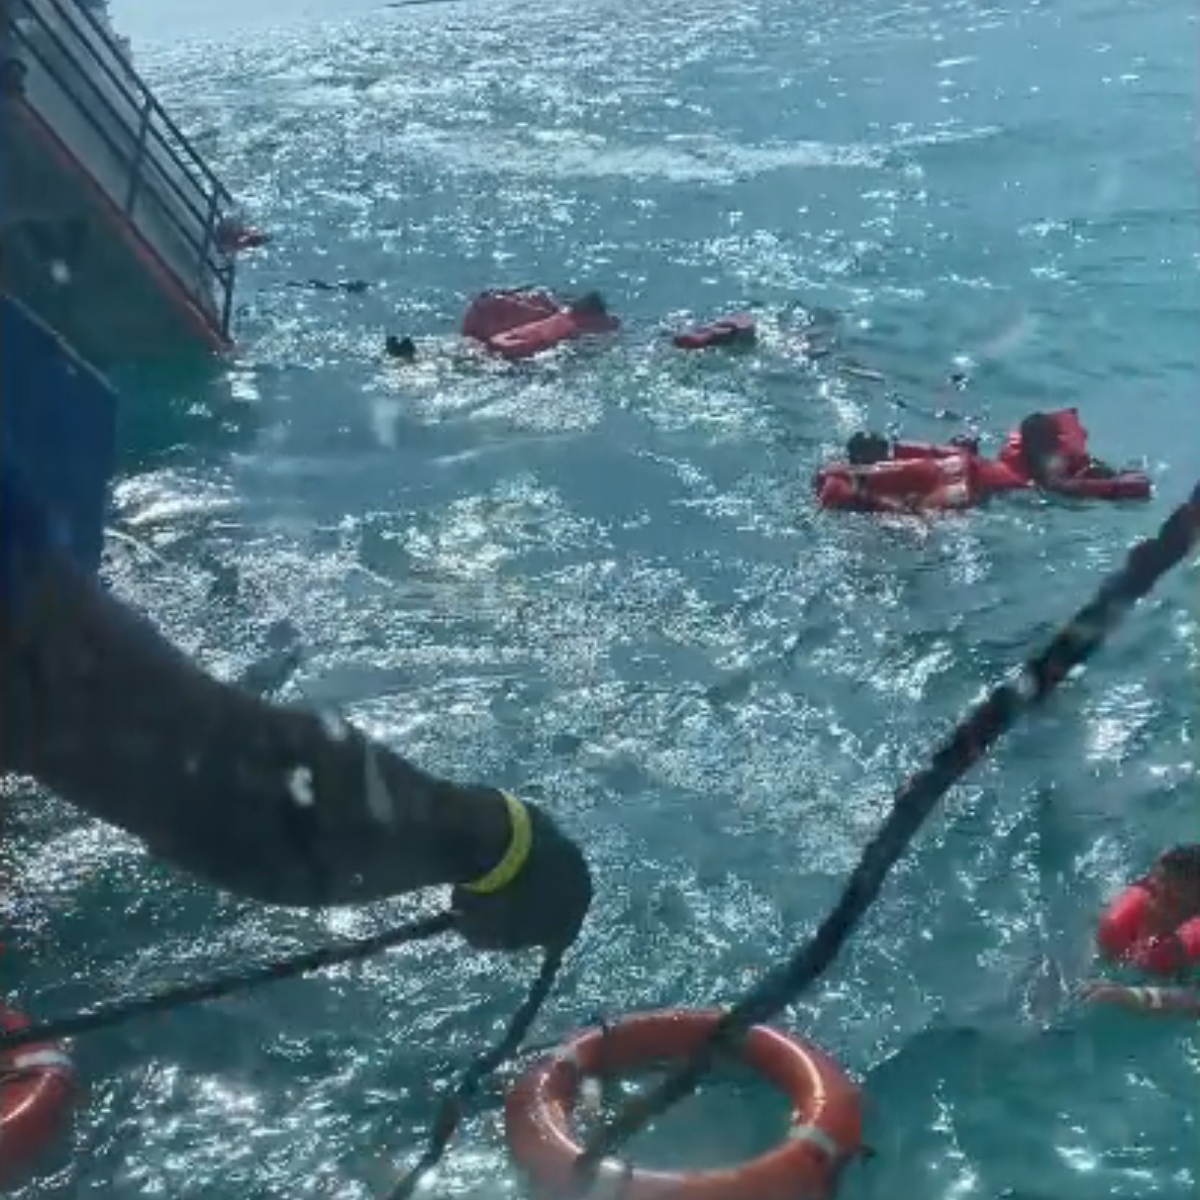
402 348
864 449
1039 443
1181 862
589 302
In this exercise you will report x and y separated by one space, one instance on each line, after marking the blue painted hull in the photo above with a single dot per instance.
59 422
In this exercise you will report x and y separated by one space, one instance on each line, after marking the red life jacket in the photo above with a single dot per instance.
738 330
532 338
934 449
901 485
1124 934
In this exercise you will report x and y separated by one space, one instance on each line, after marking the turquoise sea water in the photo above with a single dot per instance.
600 578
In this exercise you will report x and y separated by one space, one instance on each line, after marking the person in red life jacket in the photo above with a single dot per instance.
1050 451
737 330
1155 923
911 477
910 486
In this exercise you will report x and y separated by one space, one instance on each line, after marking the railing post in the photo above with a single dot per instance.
214 200
99 83
226 276
139 159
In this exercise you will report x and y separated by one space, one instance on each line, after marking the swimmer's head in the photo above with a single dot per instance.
1175 880
590 302
403 348
1040 445
863 449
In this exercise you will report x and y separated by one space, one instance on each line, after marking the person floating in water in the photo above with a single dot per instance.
1154 926
908 477
277 804
401 349
1050 450
1047 452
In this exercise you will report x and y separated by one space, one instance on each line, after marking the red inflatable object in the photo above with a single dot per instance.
1126 934
37 1084
738 330
565 325
524 323
491 313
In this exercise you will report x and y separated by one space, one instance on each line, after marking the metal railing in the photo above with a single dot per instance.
160 182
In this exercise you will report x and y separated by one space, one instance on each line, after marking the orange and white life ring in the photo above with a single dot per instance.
825 1132
37 1084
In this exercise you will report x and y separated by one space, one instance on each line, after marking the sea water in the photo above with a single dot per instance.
600 578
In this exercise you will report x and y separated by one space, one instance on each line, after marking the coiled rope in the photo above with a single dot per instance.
916 798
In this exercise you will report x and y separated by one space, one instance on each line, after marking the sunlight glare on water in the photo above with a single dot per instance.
600 579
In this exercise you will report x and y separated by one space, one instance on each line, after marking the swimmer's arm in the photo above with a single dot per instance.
100 708
1160 1001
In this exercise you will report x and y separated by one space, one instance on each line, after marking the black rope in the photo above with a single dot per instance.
117 1013
451 1110
450 1113
1146 563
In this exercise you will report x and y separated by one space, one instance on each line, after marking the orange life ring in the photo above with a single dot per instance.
37 1084
825 1133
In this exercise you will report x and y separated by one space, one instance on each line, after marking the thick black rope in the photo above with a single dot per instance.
1146 563
119 1012
450 1112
